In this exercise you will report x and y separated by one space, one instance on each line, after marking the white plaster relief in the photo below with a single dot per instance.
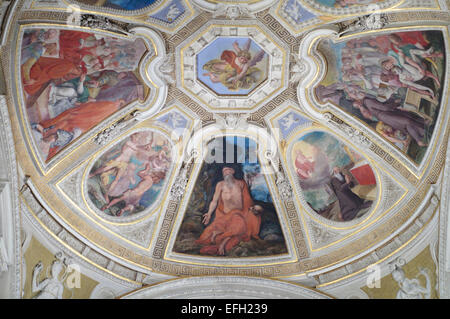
225 287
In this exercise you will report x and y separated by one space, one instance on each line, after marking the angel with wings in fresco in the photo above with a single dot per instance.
236 69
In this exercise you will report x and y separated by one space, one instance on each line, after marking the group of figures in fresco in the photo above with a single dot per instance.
392 82
73 80
128 178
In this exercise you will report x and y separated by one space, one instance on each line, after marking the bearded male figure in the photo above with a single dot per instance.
236 217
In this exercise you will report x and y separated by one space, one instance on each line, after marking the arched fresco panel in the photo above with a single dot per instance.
392 82
231 211
73 80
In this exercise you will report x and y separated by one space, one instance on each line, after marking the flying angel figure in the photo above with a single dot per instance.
244 59
236 68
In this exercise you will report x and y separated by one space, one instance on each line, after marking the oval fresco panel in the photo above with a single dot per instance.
335 181
73 80
129 177
391 82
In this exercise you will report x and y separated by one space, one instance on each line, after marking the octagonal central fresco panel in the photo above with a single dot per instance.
232 66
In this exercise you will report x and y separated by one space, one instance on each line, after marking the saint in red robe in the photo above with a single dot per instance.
46 69
84 117
238 225
70 45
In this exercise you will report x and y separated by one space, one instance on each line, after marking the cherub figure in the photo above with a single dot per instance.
118 165
132 197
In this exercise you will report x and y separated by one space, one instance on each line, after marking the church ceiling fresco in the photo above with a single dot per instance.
269 138
129 176
264 236
315 155
397 74
73 80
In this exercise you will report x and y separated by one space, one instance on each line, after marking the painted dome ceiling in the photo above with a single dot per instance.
281 139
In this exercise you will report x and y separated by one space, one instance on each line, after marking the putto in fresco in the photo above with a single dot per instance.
128 178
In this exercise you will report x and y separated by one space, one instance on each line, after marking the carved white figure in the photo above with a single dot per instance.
232 121
288 121
411 288
283 186
297 69
232 11
173 12
51 287
166 68
115 129
372 21
179 185
97 22
293 10
175 119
